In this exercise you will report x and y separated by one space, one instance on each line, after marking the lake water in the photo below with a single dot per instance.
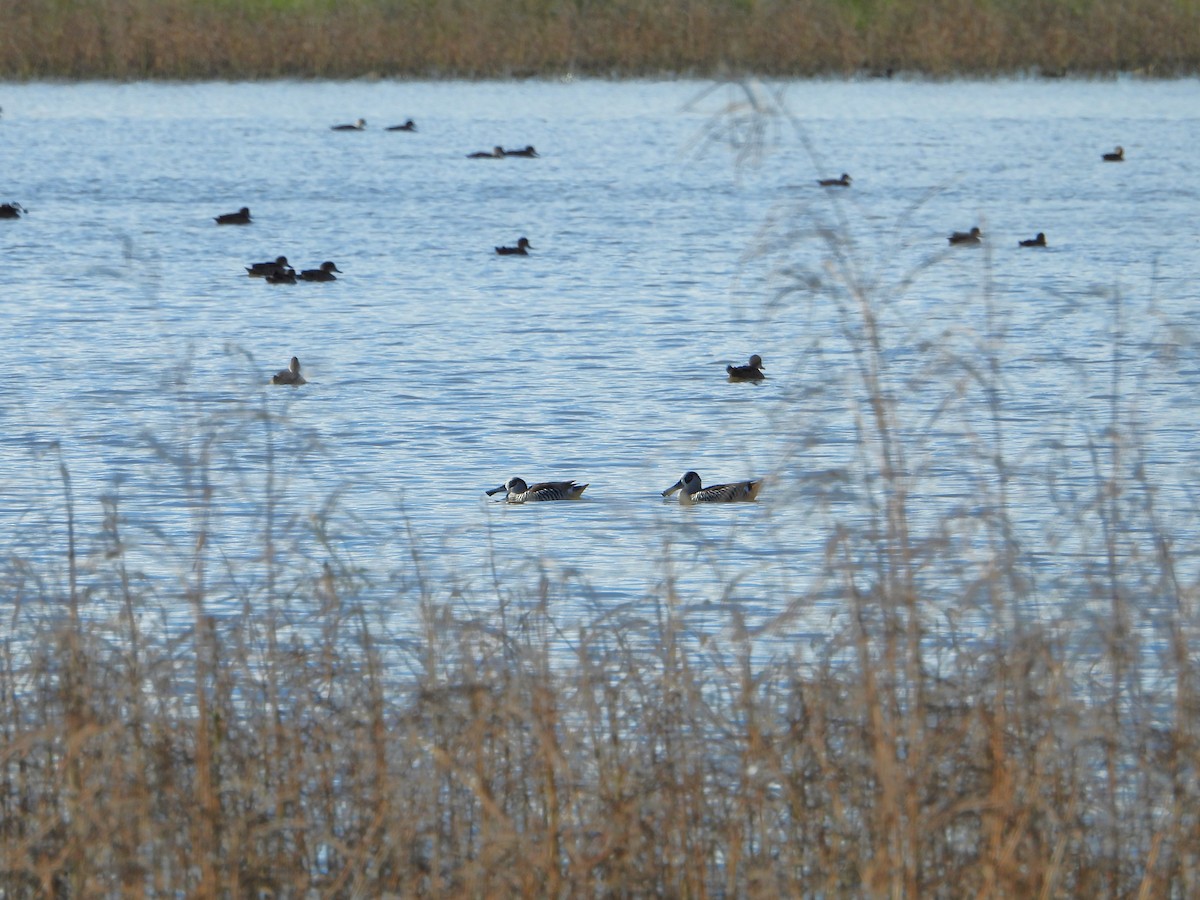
674 232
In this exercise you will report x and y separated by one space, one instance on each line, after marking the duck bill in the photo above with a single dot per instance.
495 490
673 488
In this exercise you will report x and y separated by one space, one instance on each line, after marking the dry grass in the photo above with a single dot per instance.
301 747
200 39
233 760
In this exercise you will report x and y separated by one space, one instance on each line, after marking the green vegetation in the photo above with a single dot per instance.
485 38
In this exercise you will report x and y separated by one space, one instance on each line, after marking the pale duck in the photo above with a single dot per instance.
690 490
517 491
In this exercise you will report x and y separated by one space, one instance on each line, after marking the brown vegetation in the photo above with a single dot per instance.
246 758
303 746
158 738
201 39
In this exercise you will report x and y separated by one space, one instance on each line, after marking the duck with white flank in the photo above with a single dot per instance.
690 490
517 491
291 375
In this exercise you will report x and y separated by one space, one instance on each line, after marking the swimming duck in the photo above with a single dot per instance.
357 126
974 236
409 125
263 269
751 372
325 273
12 210
290 375
517 491
282 276
1039 241
497 153
522 249
1118 155
844 181
241 217
528 152
691 491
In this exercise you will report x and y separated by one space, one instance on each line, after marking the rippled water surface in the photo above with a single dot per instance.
674 231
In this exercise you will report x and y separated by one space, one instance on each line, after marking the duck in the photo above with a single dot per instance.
527 152
409 125
290 375
974 236
690 490
241 217
1118 155
844 181
497 153
1039 241
282 276
12 210
359 125
517 491
522 249
750 372
324 273
263 269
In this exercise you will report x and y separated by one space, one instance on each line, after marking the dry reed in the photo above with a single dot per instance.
204 39
303 747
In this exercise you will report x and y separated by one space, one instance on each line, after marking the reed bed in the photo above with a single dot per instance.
205 39
158 739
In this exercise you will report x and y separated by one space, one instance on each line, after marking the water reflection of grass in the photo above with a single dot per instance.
321 38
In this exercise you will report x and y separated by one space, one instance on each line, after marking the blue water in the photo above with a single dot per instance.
677 227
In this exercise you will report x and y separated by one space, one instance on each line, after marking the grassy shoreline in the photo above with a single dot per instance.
218 39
